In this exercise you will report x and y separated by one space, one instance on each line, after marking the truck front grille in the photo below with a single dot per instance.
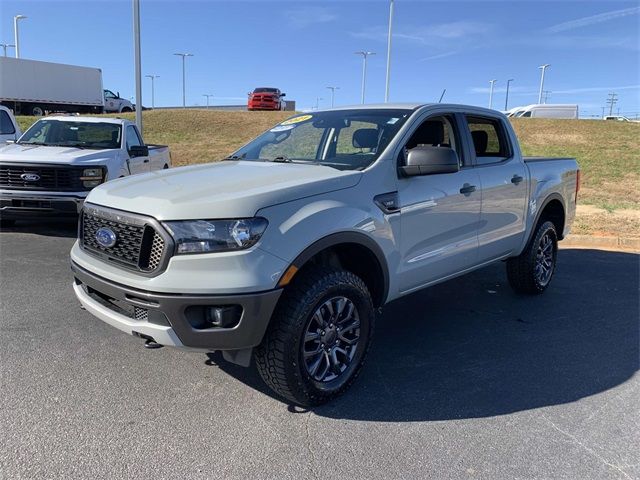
55 178
140 242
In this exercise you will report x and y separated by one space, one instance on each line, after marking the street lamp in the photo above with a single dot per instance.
153 90
5 46
318 102
207 95
184 96
15 33
506 99
492 82
137 62
364 69
333 93
389 35
543 68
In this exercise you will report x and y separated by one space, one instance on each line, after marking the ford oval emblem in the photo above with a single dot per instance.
30 177
106 237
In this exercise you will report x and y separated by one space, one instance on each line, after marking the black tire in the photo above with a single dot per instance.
7 223
280 359
531 272
126 110
37 111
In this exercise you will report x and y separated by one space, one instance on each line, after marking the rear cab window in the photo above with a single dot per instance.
489 139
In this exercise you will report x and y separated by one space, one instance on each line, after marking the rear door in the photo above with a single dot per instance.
505 186
136 164
439 214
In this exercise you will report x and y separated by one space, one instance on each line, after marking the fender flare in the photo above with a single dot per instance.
547 200
353 238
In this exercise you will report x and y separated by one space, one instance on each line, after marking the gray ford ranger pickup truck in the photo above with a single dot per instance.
287 249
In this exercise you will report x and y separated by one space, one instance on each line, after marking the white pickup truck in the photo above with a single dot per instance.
286 250
59 159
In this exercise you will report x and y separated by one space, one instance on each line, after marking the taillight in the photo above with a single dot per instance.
577 184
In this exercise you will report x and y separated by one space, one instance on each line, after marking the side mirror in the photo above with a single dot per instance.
283 94
430 161
139 151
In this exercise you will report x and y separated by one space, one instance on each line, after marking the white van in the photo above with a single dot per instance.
543 110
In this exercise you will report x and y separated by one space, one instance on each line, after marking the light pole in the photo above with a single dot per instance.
492 82
137 62
318 102
543 68
207 95
15 33
5 46
364 69
184 95
333 93
153 90
506 98
389 35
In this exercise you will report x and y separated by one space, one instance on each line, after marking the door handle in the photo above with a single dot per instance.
467 189
146 160
516 179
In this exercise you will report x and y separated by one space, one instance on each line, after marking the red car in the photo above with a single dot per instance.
265 98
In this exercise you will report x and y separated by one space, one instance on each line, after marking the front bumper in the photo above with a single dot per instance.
20 204
163 317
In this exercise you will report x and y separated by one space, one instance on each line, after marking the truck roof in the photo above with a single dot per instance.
414 106
77 118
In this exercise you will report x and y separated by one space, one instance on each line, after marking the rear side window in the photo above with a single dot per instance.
6 125
489 139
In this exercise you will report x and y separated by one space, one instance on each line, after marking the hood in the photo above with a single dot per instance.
228 189
57 155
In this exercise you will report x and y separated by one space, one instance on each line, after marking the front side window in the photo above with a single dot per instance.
6 125
109 94
133 140
342 139
59 133
436 132
489 140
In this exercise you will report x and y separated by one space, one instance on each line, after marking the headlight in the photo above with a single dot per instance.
202 236
92 177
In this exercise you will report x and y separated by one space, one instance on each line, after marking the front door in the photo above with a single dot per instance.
136 164
439 214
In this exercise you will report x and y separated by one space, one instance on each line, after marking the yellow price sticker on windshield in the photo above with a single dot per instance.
299 119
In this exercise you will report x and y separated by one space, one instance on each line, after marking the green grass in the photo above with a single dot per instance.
608 152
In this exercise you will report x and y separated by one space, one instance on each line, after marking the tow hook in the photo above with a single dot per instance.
151 344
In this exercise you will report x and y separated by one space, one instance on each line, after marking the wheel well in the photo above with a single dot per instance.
554 212
357 259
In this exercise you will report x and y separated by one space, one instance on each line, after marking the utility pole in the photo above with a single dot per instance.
547 94
207 95
137 63
492 82
612 99
333 93
5 46
389 36
602 112
318 102
543 68
153 90
16 36
184 90
506 98
364 70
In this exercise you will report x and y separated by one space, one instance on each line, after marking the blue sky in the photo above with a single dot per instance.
303 46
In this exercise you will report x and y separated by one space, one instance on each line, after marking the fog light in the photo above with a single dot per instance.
226 316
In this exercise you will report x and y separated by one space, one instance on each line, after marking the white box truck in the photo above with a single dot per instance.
31 87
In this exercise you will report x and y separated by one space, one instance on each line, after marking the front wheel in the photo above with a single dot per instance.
126 110
318 337
531 271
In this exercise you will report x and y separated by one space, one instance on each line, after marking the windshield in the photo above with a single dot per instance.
93 135
265 90
343 139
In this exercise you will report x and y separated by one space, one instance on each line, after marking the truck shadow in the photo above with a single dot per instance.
65 227
472 348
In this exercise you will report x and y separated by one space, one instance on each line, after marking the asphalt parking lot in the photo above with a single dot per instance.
464 380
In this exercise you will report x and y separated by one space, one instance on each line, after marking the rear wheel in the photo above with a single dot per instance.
37 110
532 270
318 337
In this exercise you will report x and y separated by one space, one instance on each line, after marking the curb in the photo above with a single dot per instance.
626 243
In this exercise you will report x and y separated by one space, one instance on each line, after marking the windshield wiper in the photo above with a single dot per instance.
281 159
233 157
